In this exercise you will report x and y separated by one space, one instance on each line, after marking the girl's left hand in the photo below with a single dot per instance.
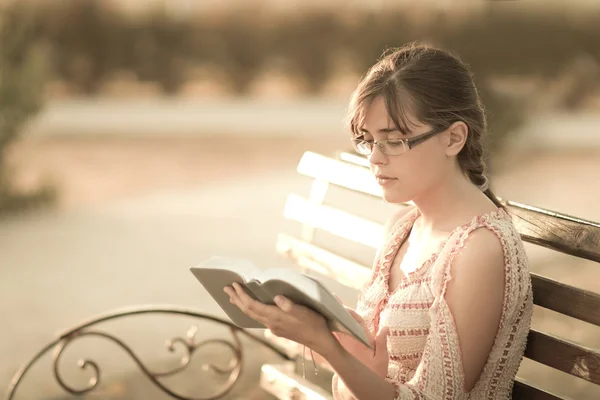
288 320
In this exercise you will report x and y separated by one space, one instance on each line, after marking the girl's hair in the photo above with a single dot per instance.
439 90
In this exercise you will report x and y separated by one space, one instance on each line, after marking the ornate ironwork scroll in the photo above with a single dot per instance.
189 344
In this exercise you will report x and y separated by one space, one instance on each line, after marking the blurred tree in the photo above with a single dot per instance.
307 45
159 49
86 39
21 80
90 41
367 36
236 45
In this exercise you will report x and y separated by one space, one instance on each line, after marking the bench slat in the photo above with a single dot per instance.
560 232
563 355
334 221
577 303
526 391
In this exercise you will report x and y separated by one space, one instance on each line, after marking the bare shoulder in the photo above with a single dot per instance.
477 274
394 218
482 251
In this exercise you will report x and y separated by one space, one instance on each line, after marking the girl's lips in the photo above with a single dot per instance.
383 180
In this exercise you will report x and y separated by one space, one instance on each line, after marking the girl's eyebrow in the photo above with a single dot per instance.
383 130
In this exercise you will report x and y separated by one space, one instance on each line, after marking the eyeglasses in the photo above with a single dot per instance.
392 147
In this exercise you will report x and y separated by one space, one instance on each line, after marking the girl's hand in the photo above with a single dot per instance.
377 358
287 320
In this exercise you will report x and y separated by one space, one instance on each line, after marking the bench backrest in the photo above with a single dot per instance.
341 223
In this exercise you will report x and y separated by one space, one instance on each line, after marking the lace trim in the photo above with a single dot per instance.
503 361
404 285
409 332
451 360
407 357
422 305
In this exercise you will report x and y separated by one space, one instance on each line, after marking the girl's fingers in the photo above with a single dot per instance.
284 303
265 314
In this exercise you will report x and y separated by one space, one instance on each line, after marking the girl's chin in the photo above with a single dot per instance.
393 196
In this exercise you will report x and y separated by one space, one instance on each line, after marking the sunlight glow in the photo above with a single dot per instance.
339 173
337 222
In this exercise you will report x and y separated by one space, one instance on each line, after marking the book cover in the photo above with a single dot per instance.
263 285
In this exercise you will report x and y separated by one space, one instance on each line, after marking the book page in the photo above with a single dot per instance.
244 268
292 277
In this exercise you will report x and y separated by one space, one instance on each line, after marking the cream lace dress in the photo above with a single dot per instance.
423 346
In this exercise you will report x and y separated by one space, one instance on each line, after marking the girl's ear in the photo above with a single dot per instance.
456 138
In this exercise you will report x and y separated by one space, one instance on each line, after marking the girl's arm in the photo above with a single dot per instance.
365 382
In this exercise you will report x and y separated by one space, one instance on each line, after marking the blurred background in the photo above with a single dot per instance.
140 137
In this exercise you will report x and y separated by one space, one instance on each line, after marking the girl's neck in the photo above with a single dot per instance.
451 203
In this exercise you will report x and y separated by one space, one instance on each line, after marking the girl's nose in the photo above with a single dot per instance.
377 156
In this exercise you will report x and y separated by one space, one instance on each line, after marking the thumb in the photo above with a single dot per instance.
363 324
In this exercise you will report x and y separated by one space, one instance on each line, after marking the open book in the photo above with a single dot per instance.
217 272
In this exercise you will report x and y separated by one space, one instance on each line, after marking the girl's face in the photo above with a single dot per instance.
413 173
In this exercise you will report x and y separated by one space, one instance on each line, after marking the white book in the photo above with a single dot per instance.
217 272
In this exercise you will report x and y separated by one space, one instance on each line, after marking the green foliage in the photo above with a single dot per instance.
21 81
20 75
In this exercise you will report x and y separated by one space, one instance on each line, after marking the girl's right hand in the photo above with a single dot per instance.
361 352
351 344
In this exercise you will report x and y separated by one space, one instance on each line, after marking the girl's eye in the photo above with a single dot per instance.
395 142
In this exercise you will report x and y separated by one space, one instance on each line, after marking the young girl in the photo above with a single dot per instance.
449 302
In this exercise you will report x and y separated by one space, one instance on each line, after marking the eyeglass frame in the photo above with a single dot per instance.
409 143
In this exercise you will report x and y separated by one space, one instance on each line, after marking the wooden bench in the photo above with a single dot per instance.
339 225
333 233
